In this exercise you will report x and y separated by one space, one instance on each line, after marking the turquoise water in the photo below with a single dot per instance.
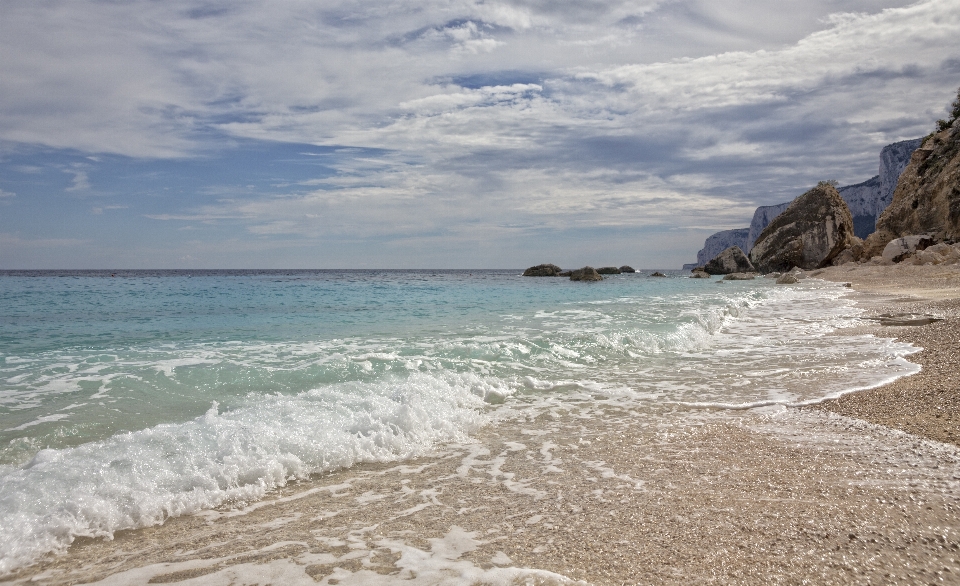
130 397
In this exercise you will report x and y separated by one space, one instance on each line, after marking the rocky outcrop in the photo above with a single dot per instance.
699 273
761 219
731 260
927 197
585 274
627 269
717 243
546 270
608 271
813 229
657 274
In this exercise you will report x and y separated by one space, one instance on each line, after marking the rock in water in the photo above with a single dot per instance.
740 277
731 260
546 270
608 271
927 198
787 279
627 269
585 274
699 273
813 229
657 274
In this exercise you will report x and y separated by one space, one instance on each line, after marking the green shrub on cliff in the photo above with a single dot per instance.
954 114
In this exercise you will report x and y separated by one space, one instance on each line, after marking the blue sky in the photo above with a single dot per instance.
441 133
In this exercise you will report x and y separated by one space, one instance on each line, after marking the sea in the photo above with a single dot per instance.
130 397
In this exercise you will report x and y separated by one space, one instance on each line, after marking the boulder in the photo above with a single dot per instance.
585 274
627 269
731 260
608 271
899 249
761 219
740 277
717 243
787 279
814 229
565 274
699 273
546 270
771 276
927 197
657 274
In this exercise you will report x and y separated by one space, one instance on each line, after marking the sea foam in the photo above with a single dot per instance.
141 478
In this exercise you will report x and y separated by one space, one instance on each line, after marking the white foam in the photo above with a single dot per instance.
139 479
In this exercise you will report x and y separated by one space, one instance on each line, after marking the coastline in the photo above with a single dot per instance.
590 490
926 404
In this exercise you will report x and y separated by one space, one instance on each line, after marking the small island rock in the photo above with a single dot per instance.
608 271
627 269
657 274
585 274
545 270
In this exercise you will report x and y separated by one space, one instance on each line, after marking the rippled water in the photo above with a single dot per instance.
127 399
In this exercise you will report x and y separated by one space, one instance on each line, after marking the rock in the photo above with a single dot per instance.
689 266
585 274
787 279
773 275
546 270
717 243
761 219
627 269
814 229
699 273
740 277
862 199
657 274
927 197
731 260
565 274
608 271
900 248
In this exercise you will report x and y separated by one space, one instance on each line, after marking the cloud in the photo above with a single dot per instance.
457 118
6 194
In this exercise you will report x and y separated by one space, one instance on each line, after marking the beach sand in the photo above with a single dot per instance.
861 490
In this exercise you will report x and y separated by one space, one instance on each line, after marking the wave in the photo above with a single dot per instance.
141 478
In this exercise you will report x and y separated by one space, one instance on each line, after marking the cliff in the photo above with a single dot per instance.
927 197
761 219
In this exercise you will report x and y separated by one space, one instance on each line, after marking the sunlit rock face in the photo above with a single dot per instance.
813 229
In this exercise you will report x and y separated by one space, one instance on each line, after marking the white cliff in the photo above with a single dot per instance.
717 243
893 160
863 200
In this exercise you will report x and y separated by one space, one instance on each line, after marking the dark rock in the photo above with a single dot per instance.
657 274
627 269
740 277
608 271
813 229
699 273
546 270
585 274
565 274
731 260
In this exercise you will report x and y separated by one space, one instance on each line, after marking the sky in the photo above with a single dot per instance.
441 133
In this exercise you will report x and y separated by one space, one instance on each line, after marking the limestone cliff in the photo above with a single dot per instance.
893 160
927 197
863 200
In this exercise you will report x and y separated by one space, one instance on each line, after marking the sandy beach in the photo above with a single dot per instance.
860 490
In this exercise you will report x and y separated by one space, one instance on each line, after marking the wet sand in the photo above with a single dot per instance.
592 491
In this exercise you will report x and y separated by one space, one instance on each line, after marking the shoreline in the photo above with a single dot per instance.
593 491
925 404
